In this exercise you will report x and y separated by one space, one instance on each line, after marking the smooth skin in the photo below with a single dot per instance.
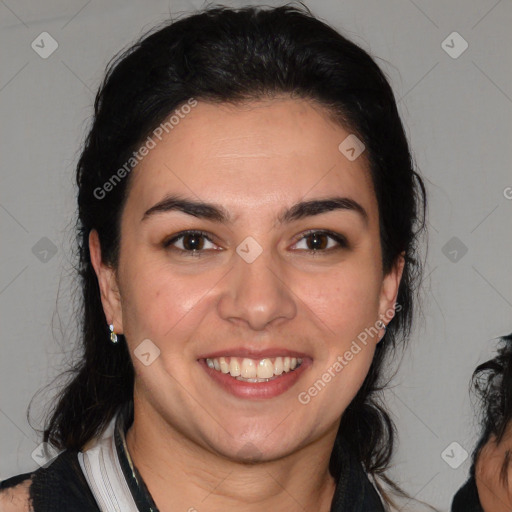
495 494
190 438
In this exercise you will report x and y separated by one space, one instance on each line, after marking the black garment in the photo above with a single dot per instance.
466 499
61 486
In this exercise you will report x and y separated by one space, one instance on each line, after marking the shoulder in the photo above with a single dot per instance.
15 494
58 486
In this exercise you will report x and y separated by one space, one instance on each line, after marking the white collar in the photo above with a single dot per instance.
102 470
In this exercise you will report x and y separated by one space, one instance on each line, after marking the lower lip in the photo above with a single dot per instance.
256 390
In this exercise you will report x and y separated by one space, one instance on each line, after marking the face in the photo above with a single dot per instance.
268 276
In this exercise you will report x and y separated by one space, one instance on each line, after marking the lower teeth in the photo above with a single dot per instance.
254 380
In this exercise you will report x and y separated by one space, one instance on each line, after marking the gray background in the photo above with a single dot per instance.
457 113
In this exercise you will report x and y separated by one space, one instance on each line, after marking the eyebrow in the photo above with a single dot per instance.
217 213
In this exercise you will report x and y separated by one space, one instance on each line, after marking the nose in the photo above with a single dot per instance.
257 293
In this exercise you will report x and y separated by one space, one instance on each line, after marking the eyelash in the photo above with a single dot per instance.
341 240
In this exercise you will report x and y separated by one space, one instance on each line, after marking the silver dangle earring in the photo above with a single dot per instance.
113 335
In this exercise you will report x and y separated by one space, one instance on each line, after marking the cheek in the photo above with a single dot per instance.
161 305
336 380
343 299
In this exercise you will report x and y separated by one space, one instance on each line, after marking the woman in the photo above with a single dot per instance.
488 488
248 217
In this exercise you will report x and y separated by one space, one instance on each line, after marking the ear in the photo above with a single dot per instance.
107 280
389 289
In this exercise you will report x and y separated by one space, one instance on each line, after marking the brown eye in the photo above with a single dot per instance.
318 241
192 243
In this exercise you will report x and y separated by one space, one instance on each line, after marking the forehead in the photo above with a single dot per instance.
251 155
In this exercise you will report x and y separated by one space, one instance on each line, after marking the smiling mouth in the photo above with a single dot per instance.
254 370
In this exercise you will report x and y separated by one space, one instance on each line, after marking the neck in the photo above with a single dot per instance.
182 475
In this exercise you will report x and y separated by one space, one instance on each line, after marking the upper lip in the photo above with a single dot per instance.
253 354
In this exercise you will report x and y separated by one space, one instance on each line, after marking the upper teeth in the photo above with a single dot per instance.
251 368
